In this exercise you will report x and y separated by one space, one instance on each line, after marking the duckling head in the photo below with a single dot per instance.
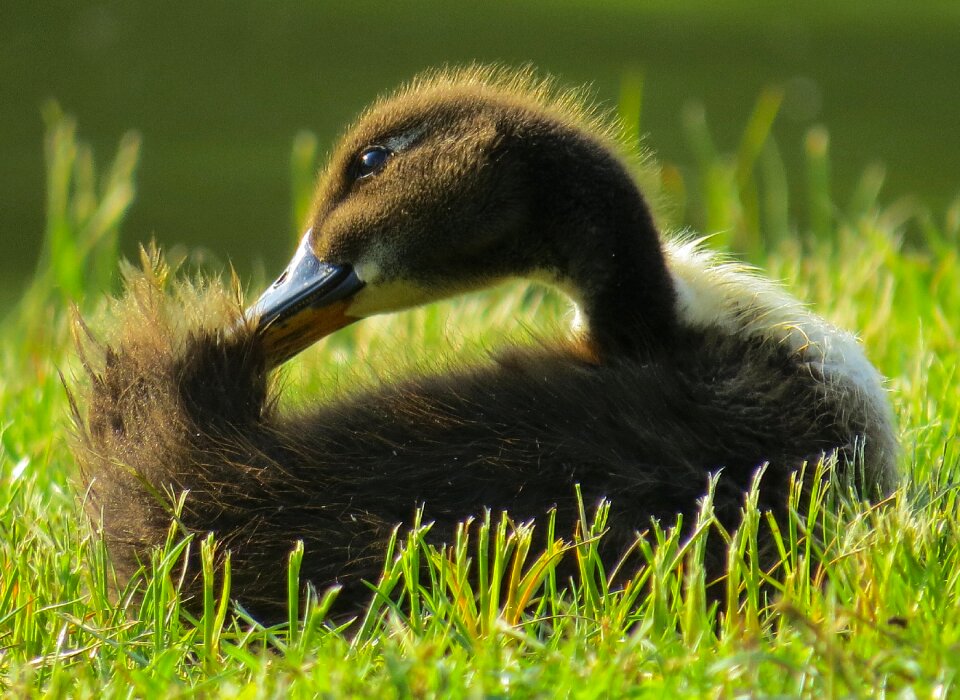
458 182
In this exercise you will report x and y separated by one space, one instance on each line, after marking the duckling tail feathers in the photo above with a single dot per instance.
163 381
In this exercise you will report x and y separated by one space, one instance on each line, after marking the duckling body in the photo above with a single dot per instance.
685 365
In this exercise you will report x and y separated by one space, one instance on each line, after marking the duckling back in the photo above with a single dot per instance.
734 301
177 406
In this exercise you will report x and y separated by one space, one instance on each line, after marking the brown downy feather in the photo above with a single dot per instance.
687 366
178 405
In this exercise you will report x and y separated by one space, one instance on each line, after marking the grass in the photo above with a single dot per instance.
869 608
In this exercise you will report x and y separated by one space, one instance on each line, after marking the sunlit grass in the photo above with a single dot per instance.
869 607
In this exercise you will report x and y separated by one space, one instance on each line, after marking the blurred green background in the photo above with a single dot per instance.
218 90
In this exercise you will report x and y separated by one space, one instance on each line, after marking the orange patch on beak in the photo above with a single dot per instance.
307 302
287 337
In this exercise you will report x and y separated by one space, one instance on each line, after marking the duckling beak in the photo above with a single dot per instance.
307 302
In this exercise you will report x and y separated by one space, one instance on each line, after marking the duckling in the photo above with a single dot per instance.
681 365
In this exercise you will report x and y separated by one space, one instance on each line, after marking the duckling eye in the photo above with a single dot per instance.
372 160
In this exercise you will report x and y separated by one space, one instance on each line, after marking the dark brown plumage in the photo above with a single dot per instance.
685 366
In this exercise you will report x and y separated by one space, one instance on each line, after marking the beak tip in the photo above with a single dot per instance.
307 302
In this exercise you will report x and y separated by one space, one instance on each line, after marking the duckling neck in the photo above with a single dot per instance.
629 302
610 256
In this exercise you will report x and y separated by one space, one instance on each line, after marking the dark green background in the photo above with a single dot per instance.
218 91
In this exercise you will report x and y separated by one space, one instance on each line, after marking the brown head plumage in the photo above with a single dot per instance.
464 179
